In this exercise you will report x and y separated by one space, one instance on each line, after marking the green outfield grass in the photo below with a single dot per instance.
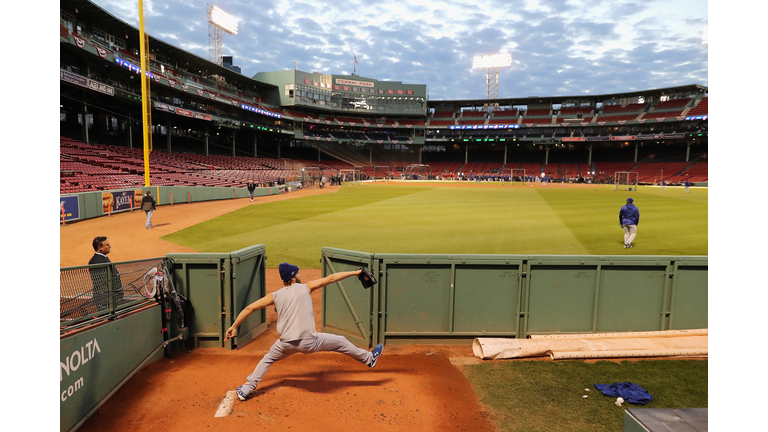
434 218
545 396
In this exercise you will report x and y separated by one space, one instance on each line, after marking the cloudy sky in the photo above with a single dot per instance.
559 47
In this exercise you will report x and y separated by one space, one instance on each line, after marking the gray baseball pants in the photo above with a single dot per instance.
323 342
630 231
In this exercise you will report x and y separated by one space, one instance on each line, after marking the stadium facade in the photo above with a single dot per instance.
200 107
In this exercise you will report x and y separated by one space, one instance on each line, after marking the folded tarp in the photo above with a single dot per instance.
500 348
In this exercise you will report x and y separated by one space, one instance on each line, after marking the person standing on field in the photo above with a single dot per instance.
663 184
629 217
251 188
148 205
687 186
296 325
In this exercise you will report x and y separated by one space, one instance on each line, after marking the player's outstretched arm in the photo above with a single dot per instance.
319 283
259 304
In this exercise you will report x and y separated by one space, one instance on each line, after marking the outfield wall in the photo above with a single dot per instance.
427 299
88 205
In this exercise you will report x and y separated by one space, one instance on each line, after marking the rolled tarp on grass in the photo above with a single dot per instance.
500 348
644 334
559 355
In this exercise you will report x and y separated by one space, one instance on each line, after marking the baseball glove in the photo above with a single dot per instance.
366 278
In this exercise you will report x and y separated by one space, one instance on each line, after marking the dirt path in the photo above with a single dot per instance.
130 240
411 387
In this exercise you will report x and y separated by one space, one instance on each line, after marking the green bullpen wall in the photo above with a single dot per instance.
219 286
427 299
90 204
95 359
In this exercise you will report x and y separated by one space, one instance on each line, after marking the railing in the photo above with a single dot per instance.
102 290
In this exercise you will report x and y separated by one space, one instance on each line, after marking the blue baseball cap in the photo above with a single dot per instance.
630 200
287 271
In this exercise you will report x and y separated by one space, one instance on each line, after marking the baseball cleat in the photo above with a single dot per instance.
241 394
376 354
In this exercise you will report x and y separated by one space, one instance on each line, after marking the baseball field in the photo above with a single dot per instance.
460 218
430 388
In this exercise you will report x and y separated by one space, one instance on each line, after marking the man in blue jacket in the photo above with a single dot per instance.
629 217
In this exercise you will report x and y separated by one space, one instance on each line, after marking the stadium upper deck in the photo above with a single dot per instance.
201 107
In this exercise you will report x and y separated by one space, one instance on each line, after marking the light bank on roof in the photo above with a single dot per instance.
347 93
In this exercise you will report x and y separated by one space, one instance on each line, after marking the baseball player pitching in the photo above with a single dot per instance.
296 325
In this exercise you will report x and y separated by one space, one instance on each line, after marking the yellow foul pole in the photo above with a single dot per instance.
145 102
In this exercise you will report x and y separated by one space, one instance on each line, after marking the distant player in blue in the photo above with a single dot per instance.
663 184
543 180
629 217
687 186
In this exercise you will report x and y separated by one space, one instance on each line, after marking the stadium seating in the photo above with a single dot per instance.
443 114
700 109
453 168
675 104
609 169
571 121
575 111
93 167
571 170
438 167
531 168
503 120
618 109
698 172
526 120
538 112
505 113
472 122
616 118
442 122
412 123
650 172
666 115
488 167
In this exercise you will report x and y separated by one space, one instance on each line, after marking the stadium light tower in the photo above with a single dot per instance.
218 23
492 63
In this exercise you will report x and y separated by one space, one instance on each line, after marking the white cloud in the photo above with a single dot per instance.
558 47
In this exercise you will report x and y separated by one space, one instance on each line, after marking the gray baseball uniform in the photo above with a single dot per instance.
296 328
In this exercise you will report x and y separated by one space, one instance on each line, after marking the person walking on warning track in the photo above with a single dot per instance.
296 325
251 188
629 217
148 205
